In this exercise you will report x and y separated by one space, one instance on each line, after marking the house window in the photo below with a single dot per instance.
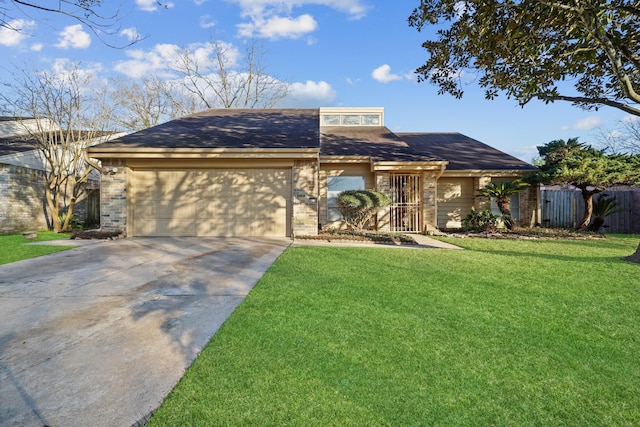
335 186
349 117
514 203
514 207
370 119
331 120
351 120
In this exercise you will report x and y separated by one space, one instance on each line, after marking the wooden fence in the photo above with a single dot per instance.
563 209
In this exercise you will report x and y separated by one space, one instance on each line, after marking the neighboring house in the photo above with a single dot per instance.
22 179
278 172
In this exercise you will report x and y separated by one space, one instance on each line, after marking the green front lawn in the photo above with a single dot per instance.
517 333
14 247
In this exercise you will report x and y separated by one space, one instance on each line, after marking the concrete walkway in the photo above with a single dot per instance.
98 335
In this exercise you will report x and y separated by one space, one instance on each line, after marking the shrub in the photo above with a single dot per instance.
604 206
358 206
480 221
75 223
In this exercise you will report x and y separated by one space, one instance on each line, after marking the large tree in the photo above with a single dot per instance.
65 113
586 168
100 17
217 75
623 139
149 101
536 49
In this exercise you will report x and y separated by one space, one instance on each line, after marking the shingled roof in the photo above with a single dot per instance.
462 152
300 129
379 143
230 128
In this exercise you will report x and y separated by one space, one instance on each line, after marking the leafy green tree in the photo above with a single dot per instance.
358 206
592 171
502 192
528 48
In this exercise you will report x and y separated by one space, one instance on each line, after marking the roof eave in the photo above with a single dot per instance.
436 165
200 153
487 172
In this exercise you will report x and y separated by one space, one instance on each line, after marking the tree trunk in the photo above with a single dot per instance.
635 257
587 196
505 209
53 209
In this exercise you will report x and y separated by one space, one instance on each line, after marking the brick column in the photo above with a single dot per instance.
305 198
383 186
429 202
481 203
113 195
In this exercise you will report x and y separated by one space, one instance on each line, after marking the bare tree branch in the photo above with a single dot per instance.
86 12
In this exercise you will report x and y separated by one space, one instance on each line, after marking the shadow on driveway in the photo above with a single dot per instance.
98 335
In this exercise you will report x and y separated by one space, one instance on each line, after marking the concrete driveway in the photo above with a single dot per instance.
99 335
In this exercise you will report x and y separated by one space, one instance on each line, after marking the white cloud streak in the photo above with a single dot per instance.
74 37
383 74
153 5
587 123
309 94
279 27
14 32
273 19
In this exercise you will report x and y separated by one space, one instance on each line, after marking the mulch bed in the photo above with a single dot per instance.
526 234
98 235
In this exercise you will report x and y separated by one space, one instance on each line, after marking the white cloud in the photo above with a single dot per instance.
630 118
62 68
272 18
383 74
588 123
130 33
159 58
308 95
163 58
153 5
277 27
206 21
13 32
526 154
37 47
356 9
199 2
75 37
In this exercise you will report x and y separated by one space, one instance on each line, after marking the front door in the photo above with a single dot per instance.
406 203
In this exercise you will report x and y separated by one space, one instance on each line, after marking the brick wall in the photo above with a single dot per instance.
113 195
22 203
429 202
383 186
305 198
21 199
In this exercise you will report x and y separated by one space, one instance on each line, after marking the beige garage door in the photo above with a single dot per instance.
455 199
219 202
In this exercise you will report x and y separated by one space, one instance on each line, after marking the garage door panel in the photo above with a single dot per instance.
220 202
166 227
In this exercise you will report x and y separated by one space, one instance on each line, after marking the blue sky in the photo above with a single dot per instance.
352 53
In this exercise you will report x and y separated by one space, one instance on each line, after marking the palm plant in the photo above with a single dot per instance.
602 208
502 192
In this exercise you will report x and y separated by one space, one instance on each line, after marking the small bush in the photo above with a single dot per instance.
483 221
75 223
358 206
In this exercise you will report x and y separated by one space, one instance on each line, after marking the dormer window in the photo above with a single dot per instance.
351 116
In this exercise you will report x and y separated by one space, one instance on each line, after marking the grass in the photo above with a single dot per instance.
505 333
14 247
